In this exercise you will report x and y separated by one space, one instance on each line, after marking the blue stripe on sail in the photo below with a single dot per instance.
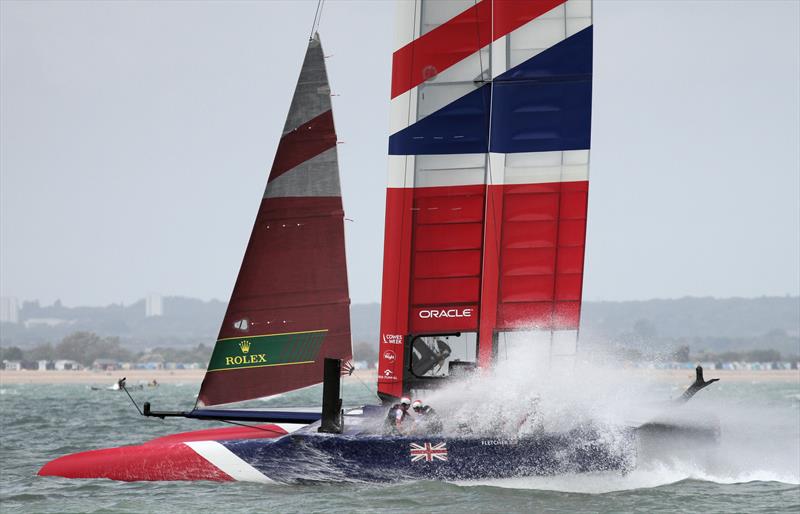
543 104
541 117
459 127
571 57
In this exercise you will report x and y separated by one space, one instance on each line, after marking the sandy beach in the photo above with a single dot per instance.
196 375
134 376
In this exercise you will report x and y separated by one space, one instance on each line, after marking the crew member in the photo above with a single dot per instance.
426 420
397 415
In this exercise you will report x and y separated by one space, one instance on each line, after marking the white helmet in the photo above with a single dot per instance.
405 400
417 404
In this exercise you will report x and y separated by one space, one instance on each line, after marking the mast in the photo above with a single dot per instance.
290 306
488 183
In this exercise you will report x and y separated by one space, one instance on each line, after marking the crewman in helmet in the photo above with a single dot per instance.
397 415
426 420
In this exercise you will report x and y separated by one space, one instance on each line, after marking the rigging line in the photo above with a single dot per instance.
371 392
124 388
321 6
585 220
558 238
406 159
247 426
317 18
480 50
416 96
489 204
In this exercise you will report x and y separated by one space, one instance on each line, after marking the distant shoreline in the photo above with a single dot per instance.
134 376
687 376
196 376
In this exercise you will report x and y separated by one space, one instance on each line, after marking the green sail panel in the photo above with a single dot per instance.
269 350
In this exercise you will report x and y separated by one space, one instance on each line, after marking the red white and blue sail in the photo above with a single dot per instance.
488 175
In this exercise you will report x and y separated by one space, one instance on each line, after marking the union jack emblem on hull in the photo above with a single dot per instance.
429 452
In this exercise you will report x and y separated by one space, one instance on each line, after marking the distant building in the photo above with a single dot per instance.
9 310
153 305
65 365
12 365
105 364
48 322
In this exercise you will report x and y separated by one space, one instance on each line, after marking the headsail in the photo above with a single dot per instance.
290 305
488 181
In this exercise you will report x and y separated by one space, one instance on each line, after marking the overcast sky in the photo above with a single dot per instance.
136 138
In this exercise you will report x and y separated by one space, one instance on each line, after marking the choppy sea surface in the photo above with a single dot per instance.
756 467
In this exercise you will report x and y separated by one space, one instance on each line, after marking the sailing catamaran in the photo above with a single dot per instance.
484 248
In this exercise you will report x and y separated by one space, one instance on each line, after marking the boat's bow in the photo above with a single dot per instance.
197 455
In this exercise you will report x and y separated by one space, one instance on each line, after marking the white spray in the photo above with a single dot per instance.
760 424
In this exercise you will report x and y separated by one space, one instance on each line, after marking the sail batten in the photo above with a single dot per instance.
290 305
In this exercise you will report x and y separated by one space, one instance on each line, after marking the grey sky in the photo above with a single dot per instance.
136 138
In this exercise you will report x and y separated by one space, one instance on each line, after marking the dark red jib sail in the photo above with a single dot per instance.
290 305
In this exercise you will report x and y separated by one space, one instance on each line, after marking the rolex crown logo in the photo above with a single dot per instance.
245 346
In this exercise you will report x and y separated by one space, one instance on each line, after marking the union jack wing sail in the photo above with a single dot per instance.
290 306
488 182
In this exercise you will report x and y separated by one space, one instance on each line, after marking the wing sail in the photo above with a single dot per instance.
488 180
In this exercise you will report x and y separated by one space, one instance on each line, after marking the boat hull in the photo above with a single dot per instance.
316 457
270 454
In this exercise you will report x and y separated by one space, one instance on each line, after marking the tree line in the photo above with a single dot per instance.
86 347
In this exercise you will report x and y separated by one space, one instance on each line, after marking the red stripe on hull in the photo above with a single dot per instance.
301 144
147 462
303 288
165 458
460 37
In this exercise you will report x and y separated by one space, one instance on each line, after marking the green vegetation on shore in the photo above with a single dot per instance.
708 327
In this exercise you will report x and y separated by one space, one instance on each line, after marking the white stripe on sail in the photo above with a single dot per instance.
450 170
544 167
401 171
406 171
227 461
508 51
547 30
406 23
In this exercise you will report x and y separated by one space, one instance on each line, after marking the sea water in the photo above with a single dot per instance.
756 467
